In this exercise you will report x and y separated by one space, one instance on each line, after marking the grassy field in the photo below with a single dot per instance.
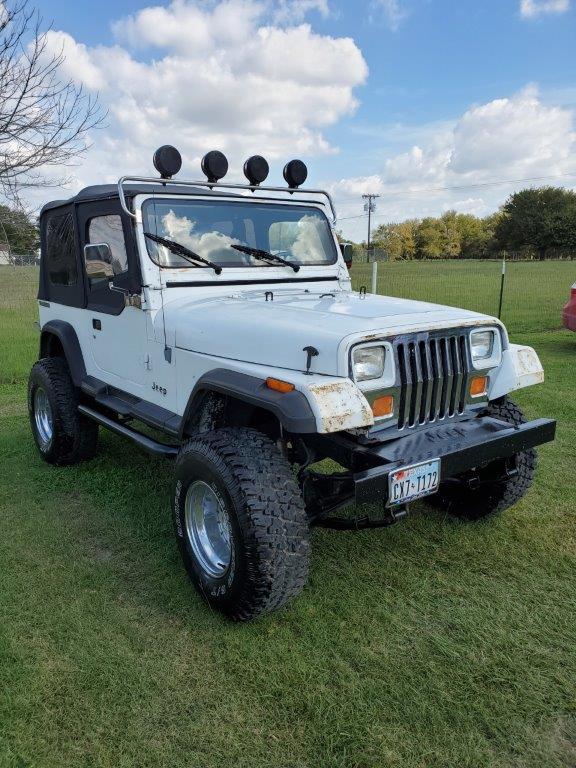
432 644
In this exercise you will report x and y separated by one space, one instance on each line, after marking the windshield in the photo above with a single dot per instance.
299 234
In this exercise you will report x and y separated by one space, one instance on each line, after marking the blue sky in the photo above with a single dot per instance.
428 104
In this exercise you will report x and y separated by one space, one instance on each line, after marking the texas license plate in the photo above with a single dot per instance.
414 482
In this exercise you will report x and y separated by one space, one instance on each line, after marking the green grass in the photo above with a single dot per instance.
18 315
432 644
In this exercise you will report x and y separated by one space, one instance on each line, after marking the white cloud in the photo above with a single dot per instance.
391 10
518 136
191 28
505 140
78 64
474 205
295 11
225 75
356 187
530 9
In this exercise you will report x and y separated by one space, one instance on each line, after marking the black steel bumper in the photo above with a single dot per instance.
460 446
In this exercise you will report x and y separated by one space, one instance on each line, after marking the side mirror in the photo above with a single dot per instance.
347 253
98 260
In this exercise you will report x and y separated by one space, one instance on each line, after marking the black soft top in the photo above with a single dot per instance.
110 191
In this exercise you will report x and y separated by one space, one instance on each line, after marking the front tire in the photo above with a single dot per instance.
493 497
62 435
240 522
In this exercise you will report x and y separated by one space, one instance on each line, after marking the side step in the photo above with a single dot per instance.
127 405
150 445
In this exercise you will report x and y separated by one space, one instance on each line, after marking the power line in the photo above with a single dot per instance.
347 218
448 189
487 184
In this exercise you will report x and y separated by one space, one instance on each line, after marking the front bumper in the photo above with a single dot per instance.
461 447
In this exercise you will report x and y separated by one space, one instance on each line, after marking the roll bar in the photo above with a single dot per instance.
216 185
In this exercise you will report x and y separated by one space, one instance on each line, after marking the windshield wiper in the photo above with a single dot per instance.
185 253
266 256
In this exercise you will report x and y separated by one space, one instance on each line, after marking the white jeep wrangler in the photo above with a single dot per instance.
225 321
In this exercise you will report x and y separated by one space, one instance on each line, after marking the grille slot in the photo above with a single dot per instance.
433 379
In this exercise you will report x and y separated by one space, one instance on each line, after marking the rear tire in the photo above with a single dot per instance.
490 498
240 522
62 435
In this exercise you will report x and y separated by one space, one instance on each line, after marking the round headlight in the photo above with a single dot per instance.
368 363
482 344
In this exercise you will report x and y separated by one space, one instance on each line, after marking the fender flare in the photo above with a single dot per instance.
292 409
67 337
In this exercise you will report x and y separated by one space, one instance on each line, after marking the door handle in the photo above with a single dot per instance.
96 324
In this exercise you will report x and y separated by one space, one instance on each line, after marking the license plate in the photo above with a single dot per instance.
414 482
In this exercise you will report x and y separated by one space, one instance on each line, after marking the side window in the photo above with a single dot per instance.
105 261
61 250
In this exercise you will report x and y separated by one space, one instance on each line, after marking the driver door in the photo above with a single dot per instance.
117 333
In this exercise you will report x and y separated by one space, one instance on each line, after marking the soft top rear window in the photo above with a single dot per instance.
61 249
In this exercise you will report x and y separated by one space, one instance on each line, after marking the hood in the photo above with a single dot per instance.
246 327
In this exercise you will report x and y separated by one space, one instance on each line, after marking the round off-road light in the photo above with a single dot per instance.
256 169
295 173
167 161
214 165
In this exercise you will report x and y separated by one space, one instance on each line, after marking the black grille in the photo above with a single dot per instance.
433 379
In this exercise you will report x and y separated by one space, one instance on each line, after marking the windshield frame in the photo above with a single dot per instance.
309 205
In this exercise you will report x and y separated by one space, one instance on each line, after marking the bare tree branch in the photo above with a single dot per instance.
44 119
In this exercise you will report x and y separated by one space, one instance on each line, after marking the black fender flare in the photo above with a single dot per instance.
292 409
68 339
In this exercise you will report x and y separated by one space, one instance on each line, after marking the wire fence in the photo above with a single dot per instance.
534 292
8 259
533 297
363 255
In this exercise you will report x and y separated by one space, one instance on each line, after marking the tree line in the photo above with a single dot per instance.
533 223
18 233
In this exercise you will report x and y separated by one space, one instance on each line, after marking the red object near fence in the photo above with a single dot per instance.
569 311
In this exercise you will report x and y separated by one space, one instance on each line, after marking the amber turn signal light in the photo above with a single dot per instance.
279 385
478 386
383 406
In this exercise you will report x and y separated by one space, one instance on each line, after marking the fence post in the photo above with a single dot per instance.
374 277
503 278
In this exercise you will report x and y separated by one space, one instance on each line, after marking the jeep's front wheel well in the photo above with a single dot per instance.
215 410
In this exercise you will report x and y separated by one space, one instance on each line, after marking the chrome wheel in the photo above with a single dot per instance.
43 417
208 529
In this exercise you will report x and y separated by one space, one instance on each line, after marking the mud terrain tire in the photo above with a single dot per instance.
494 497
240 522
62 435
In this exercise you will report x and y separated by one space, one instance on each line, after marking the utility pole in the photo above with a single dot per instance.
369 207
